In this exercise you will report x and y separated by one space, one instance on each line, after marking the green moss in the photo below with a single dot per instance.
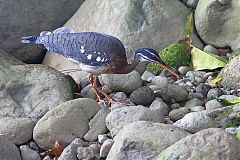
227 112
174 55
232 123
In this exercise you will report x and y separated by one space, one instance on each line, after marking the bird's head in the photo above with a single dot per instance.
151 55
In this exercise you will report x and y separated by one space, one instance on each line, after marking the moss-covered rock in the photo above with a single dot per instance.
175 55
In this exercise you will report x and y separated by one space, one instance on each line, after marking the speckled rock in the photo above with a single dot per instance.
177 114
65 122
203 88
118 118
142 96
18 130
194 122
208 144
159 106
8 150
213 104
86 153
126 83
212 93
193 102
212 14
136 142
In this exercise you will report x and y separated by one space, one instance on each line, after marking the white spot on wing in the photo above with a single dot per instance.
98 59
82 49
89 56
99 53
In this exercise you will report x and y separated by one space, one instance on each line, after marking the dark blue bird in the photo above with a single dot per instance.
96 53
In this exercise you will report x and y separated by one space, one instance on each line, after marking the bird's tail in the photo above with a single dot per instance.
29 39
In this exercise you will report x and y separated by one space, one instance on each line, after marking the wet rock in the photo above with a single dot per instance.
65 122
142 96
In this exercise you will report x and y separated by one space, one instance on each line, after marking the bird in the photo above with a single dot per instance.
96 53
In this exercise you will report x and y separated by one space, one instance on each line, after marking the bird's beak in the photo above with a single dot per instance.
168 68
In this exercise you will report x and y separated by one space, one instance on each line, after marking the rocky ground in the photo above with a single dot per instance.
171 119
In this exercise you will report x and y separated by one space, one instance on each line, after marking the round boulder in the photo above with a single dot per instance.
142 96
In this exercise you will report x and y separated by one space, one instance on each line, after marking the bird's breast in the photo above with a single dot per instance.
96 70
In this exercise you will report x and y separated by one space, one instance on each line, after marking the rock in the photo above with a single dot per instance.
170 92
102 138
86 153
210 49
211 15
213 104
192 3
136 142
70 152
8 150
28 153
31 90
160 81
175 106
230 74
105 148
88 92
212 93
7 60
177 114
224 2
84 83
142 96
47 158
17 130
194 122
203 88
97 125
197 108
65 122
147 75
159 106
193 102
208 144
126 83
116 119
120 95
232 130
184 69
228 97
31 24
95 147
135 24
195 95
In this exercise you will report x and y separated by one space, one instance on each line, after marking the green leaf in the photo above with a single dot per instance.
189 25
230 102
202 60
238 135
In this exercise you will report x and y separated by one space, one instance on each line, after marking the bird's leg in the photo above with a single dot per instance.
95 88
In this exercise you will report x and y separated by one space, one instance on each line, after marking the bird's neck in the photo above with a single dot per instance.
129 67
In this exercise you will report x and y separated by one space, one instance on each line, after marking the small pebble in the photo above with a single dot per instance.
203 88
213 104
102 138
210 48
198 79
146 75
177 114
195 95
175 106
120 95
197 108
184 69
95 147
212 93
189 84
193 102
105 148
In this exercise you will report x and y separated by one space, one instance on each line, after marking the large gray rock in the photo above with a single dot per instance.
143 140
8 150
230 74
134 22
18 130
65 122
194 122
27 17
126 83
29 154
208 144
215 24
120 117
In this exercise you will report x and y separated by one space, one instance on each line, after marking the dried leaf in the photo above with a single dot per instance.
215 80
56 151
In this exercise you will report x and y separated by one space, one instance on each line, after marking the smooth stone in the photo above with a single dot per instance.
184 69
95 147
142 96
120 95
198 79
177 114
84 83
8 150
195 95
17 130
86 153
194 122
193 102
208 144
192 3
65 122
189 84
210 48
159 106
213 104
88 92
146 75
28 153
120 117
170 92
70 152
102 138
126 83
212 93
175 106
197 108
203 88
144 140
105 148
97 125
159 81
